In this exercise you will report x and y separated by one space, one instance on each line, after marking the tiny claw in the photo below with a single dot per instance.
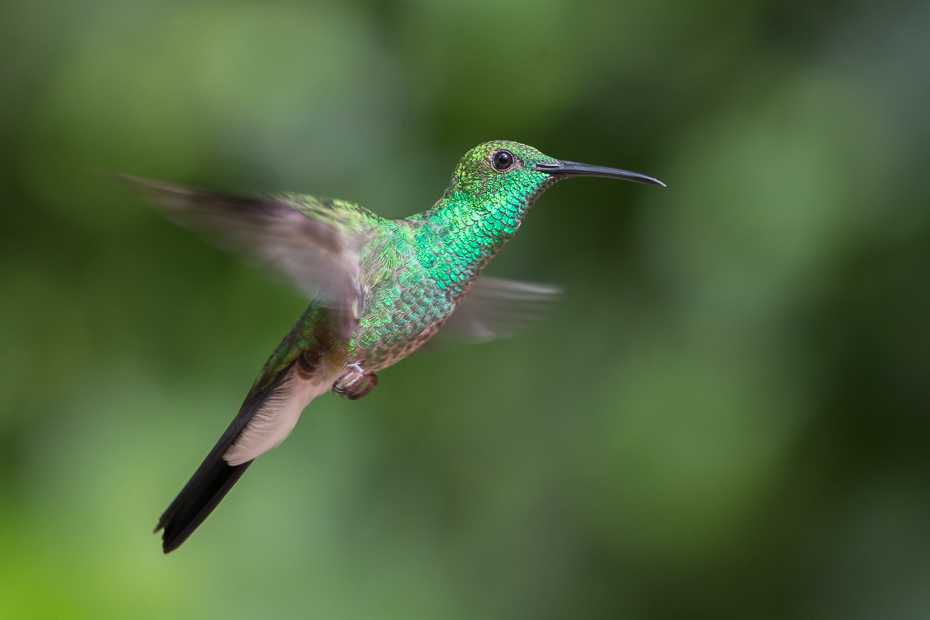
355 383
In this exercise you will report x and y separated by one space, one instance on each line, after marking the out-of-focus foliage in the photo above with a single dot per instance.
728 416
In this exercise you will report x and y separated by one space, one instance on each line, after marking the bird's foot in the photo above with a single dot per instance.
355 383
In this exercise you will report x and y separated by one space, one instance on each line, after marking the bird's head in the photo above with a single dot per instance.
502 178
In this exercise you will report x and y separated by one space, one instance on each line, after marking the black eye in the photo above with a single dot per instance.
502 160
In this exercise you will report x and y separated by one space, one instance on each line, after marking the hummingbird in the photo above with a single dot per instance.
379 289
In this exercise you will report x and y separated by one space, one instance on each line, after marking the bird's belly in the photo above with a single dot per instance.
388 352
386 335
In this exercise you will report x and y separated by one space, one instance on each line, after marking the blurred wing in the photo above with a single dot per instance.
312 241
496 308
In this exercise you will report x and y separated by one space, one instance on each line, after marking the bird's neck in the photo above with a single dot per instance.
459 236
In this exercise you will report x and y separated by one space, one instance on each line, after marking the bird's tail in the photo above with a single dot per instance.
265 419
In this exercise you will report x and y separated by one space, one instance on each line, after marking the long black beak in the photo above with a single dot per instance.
572 169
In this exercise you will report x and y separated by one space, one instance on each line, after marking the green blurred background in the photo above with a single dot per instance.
727 416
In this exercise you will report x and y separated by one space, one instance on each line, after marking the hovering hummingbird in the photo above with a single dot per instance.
379 289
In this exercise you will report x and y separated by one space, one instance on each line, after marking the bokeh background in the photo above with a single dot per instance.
727 415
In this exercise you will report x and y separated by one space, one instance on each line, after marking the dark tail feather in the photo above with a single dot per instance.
197 501
213 479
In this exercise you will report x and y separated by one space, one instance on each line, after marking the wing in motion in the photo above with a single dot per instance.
312 241
496 308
